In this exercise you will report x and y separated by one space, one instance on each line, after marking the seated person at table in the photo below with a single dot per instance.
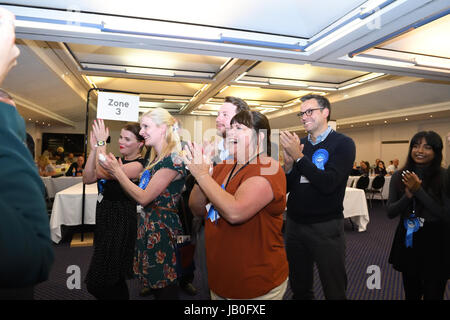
70 158
59 155
380 169
76 168
45 167
355 170
364 168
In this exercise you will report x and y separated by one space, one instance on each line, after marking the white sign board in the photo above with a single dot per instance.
118 106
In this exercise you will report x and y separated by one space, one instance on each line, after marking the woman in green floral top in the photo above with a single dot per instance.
158 221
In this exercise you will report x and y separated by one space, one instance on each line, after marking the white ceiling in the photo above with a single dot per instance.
269 53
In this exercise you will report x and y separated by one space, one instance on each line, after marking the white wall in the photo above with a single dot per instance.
368 140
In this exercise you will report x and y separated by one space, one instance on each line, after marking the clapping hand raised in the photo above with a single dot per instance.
198 159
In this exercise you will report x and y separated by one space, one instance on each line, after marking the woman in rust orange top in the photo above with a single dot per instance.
243 202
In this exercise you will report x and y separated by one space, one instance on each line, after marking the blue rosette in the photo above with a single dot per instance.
145 179
320 158
412 224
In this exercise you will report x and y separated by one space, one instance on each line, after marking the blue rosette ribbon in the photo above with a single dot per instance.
320 158
145 179
213 214
412 224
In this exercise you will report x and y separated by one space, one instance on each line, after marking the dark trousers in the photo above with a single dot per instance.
119 291
321 243
428 287
17 293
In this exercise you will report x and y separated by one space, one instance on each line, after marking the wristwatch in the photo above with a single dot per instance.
100 143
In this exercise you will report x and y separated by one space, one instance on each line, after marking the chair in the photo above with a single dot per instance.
363 182
377 187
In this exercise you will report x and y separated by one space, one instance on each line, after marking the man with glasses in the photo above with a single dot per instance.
317 168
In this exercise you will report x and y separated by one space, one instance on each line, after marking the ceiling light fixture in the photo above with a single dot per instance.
351 85
240 76
150 71
322 88
286 82
370 76
436 63
365 58
223 89
259 83
175 100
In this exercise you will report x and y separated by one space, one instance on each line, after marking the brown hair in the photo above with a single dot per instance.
257 121
240 104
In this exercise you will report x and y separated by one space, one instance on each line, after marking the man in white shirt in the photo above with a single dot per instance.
393 167
231 106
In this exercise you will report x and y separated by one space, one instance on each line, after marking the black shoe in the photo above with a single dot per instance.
146 292
189 289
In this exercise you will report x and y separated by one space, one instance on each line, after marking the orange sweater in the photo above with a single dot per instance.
248 260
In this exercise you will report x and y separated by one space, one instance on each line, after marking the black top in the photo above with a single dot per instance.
431 243
380 171
112 189
74 170
321 199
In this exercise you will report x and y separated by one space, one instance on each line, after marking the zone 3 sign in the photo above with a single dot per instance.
118 106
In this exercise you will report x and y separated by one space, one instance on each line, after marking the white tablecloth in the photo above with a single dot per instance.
351 182
355 207
55 185
67 208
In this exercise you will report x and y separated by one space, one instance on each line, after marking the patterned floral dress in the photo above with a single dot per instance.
158 227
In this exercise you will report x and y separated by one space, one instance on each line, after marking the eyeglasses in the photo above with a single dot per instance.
307 112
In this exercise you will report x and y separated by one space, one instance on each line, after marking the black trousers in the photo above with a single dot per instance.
321 243
119 291
428 287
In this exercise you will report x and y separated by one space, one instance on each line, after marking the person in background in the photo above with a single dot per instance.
76 168
417 196
45 167
380 169
364 168
158 195
244 244
355 170
59 156
26 251
392 167
115 216
70 158
317 169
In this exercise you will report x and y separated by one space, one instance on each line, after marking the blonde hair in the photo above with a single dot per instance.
43 160
160 116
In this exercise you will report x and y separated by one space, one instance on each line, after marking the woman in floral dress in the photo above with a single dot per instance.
157 196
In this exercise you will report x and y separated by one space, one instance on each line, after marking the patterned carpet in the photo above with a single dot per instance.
363 250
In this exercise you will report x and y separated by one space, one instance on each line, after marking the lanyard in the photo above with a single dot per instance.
234 167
